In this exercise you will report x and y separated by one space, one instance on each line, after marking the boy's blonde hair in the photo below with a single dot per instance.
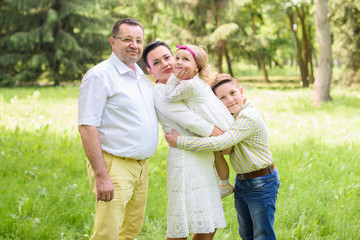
202 60
223 78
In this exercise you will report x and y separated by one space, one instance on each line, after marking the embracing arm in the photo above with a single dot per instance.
92 147
241 129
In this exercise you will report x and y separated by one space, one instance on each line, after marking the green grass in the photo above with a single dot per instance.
44 188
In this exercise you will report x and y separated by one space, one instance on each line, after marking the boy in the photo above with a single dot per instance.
257 180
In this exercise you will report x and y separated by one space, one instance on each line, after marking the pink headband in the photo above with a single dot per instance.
190 51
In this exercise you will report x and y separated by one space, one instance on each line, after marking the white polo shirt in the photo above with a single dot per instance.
121 105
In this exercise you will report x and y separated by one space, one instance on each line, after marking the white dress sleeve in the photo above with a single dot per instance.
181 114
178 90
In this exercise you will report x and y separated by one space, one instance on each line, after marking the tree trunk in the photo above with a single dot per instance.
261 61
310 55
303 12
298 50
263 67
220 44
55 73
315 57
219 52
302 15
228 60
323 77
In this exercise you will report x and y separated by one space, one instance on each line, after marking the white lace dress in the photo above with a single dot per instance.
198 96
194 202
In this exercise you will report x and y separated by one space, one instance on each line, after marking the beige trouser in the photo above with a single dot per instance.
122 217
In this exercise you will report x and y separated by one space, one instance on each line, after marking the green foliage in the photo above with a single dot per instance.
45 192
59 38
223 32
347 39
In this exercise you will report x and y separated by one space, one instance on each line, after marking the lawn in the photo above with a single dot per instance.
44 188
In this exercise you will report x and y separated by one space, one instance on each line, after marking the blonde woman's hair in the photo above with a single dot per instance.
205 72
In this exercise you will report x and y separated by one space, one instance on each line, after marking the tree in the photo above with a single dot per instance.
219 39
291 11
345 16
258 53
56 37
303 13
205 26
323 76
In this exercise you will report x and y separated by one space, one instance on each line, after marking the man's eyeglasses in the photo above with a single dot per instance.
129 40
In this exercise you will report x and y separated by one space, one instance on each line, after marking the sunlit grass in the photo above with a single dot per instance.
32 108
45 193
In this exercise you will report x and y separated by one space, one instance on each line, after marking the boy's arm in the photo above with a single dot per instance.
242 128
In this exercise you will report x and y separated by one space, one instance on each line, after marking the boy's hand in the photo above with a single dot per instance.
216 132
171 138
227 151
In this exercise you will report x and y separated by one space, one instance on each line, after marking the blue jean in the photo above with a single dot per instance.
255 206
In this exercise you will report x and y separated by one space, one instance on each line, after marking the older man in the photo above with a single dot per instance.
119 131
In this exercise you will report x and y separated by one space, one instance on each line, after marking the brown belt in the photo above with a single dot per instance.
258 173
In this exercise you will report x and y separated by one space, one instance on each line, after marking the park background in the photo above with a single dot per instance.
298 61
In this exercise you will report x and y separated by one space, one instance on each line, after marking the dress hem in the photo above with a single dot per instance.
183 236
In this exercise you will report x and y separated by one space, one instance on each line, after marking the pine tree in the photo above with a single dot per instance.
55 38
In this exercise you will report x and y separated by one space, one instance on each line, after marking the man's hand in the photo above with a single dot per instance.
92 147
171 138
104 188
